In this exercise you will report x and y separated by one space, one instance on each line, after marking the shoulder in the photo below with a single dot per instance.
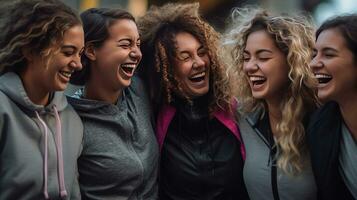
328 113
137 84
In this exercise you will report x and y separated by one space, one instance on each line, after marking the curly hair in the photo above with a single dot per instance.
38 25
158 29
294 37
96 24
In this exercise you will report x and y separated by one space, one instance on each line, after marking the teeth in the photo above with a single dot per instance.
202 74
322 76
128 65
256 78
66 74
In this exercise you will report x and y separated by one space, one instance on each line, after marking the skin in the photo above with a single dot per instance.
40 79
120 50
192 65
334 59
266 70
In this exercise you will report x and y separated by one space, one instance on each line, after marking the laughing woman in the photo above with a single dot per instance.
276 92
201 151
333 129
40 134
120 152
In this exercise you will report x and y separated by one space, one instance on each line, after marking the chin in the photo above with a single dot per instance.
60 87
125 83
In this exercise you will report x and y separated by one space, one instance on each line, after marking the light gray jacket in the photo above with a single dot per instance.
28 170
261 177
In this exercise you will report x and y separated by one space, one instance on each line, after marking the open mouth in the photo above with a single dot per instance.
198 77
257 80
323 78
128 68
66 74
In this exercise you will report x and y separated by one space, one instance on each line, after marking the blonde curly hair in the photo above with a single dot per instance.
294 36
158 29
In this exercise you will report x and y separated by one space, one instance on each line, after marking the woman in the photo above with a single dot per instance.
120 154
40 134
201 151
333 129
271 56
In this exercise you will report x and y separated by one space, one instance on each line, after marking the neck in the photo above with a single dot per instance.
34 90
274 113
94 90
348 109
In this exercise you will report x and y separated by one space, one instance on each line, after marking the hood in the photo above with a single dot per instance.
11 85
94 109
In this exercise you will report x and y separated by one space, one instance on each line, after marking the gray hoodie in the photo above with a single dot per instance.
39 145
120 152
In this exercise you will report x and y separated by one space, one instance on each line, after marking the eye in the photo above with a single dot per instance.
68 53
264 59
201 53
328 55
246 58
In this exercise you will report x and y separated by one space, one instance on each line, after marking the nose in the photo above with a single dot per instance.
316 63
135 54
76 63
250 66
198 62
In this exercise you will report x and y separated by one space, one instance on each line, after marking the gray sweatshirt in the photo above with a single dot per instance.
120 151
29 170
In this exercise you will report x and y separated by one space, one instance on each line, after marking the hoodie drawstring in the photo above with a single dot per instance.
45 173
62 186
58 141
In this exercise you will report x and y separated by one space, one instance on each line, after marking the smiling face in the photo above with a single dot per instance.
192 65
54 75
115 61
334 66
265 66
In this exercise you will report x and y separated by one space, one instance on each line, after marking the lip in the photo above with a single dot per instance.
126 73
64 75
256 81
323 78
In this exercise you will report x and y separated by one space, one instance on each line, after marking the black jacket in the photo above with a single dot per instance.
324 135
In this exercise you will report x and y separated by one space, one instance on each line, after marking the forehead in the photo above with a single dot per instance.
331 37
260 39
122 28
186 41
74 35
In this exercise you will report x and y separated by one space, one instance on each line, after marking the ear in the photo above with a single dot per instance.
89 51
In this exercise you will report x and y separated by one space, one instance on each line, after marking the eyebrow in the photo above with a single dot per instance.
68 46
329 49
187 51
259 51
263 50
128 39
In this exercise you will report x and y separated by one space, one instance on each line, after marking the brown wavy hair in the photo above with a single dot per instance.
158 28
38 25
294 36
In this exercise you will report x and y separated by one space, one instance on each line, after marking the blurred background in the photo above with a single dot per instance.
217 11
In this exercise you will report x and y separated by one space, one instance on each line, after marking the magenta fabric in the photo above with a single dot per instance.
167 113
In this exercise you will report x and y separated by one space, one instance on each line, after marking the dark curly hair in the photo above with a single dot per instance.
158 28
38 25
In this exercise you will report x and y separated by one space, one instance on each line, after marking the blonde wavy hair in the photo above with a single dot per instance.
158 29
294 36
36 25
